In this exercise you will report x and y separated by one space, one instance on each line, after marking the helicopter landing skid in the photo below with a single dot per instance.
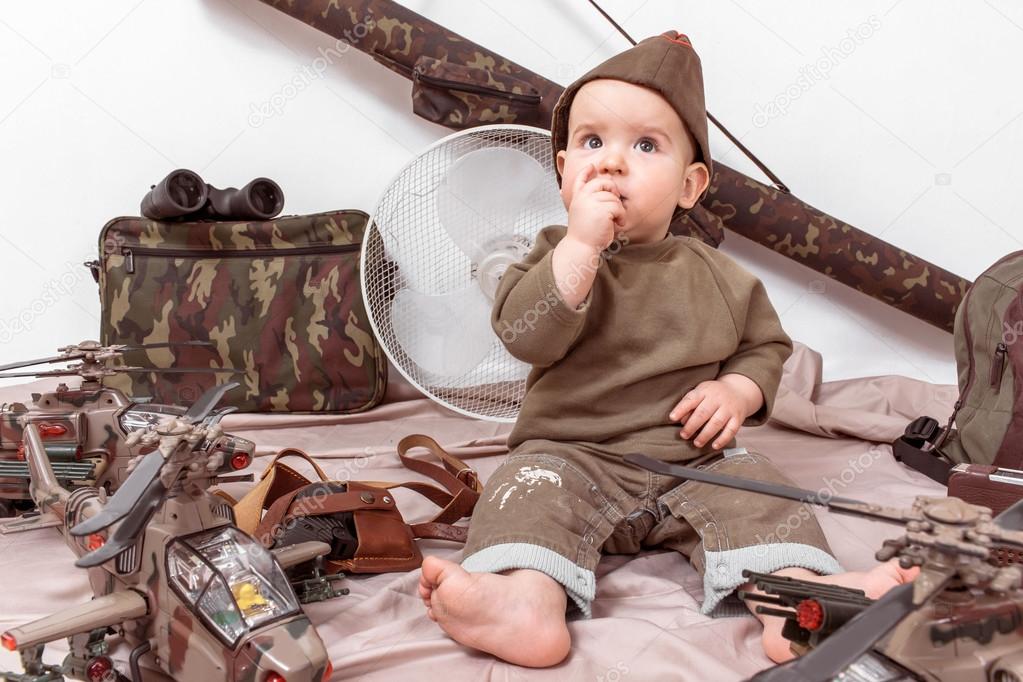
35 669
29 521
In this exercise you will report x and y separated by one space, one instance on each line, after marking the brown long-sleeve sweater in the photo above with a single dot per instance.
659 319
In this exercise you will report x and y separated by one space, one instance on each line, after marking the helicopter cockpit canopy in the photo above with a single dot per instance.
230 581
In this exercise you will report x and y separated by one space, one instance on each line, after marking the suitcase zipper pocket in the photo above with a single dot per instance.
129 253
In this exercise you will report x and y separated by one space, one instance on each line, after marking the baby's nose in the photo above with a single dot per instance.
612 162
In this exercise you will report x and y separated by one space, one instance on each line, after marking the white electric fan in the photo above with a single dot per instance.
441 236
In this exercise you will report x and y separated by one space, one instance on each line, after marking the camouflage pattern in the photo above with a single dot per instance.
398 38
834 248
442 92
82 425
989 359
294 323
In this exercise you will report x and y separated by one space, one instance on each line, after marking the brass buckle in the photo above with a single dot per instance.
471 478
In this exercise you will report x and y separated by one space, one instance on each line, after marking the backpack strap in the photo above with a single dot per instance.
917 448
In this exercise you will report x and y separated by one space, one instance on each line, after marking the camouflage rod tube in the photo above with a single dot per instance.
479 82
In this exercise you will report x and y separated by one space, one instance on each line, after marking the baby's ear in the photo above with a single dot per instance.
560 162
694 183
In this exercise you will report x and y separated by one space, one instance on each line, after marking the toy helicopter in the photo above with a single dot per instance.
961 620
194 596
83 429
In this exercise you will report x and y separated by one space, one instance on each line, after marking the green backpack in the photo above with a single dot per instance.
986 426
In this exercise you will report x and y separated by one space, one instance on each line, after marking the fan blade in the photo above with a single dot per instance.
42 361
446 335
202 407
1011 518
126 497
482 195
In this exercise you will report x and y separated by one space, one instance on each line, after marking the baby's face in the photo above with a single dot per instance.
631 135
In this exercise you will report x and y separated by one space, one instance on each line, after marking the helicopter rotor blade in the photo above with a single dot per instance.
206 403
179 370
171 344
679 471
126 533
44 373
842 505
42 361
1012 518
126 497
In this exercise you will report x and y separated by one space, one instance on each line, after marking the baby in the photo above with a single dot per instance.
630 332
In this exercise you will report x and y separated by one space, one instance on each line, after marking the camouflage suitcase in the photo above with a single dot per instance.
279 300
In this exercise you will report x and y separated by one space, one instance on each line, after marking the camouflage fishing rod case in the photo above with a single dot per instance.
279 300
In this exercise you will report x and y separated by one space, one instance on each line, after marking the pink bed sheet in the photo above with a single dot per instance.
646 625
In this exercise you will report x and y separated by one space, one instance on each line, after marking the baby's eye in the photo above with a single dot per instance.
647 145
592 142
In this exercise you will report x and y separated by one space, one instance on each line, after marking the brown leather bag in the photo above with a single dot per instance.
382 540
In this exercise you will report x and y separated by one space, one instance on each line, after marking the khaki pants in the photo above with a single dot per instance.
557 514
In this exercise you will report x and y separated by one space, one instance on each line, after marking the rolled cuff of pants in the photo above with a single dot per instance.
723 571
580 584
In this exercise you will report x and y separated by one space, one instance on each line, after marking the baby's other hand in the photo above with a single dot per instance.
717 406
595 210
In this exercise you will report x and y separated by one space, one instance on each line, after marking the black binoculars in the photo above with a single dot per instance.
184 195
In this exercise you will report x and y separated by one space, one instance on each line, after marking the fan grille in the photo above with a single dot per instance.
407 246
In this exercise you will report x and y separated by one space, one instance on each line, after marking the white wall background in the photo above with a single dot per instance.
913 134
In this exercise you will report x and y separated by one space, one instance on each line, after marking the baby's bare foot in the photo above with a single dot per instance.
874 583
518 617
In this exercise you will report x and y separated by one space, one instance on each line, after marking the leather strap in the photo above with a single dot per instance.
440 531
276 490
278 479
285 508
460 480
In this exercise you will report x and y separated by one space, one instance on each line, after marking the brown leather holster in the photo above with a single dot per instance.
385 542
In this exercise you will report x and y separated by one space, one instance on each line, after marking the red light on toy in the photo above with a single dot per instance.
94 542
328 672
239 461
98 668
52 430
275 677
7 639
809 614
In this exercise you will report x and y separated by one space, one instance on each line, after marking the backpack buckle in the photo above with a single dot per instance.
921 431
